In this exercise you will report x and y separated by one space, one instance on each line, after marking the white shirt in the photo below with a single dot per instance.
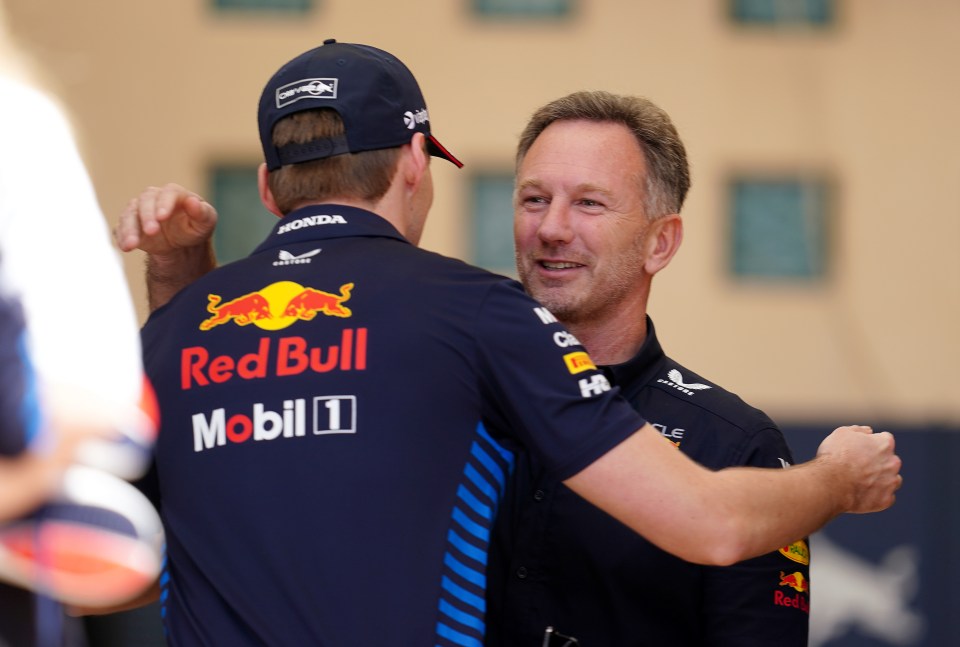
56 257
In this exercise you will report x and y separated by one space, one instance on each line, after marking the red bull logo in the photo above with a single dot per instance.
308 303
242 310
795 581
798 600
277 306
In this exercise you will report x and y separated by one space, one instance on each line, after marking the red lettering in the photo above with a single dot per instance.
192 361
361 363
320 366
797 601
292 350
294 356
221 369
246 428
254 365
346 348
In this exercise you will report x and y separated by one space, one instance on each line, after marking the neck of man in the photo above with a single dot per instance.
614 338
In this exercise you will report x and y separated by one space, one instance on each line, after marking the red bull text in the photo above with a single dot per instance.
798 600
281 357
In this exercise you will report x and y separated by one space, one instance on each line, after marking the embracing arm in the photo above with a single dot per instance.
735 513
763 601
174 227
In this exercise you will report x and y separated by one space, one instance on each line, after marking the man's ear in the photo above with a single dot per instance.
663 241
417 161
266 196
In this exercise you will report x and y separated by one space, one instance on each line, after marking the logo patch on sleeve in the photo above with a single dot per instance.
797 552
578 362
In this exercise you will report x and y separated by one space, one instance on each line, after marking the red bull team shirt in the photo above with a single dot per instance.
340 414
559 561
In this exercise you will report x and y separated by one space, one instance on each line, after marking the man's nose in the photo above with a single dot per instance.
556 225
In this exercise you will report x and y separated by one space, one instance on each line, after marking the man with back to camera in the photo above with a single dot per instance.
601 179
354 419
592 576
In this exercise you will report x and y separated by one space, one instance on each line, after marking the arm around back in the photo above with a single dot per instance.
733 514
174 226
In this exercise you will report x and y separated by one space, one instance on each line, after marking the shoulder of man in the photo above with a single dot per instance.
711 424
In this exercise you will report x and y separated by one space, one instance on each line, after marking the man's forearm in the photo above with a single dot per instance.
168 274
770 508
725 517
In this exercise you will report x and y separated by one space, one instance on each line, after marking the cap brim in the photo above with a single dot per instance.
436 149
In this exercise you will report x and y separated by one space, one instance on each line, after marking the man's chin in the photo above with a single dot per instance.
559 302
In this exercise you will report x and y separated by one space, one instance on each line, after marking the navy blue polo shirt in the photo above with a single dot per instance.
340 415
559 561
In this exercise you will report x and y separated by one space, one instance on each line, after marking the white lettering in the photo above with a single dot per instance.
294 413
306 88
675 385
314 87
335 414
412 118
267 425
594 386
675 434
238 428
206 435
311 221
545 315
563 339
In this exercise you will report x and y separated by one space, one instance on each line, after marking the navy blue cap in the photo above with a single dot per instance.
374 93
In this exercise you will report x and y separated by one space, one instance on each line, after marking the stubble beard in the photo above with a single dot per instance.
586 301
563 300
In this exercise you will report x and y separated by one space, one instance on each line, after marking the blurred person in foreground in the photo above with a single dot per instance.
341 409
600 182
75 411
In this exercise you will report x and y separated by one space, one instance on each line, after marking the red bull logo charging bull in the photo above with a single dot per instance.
798 583
277 306
795 581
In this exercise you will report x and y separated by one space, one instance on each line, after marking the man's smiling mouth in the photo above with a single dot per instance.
559 265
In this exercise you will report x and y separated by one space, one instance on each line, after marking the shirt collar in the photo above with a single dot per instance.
327 221
642 367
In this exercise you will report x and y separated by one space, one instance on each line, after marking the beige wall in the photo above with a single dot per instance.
158 90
